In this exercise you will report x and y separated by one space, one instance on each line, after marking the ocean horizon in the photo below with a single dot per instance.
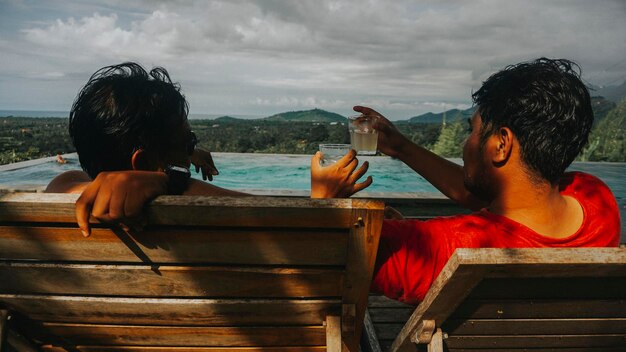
34 113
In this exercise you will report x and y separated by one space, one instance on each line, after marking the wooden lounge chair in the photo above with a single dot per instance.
206 274
566 299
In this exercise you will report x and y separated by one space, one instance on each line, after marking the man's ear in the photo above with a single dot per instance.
144 161
503 145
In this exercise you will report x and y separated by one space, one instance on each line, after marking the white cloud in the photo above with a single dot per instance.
400 55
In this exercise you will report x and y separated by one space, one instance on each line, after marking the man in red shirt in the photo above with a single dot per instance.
532 120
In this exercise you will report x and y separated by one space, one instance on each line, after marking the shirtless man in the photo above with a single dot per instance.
133 140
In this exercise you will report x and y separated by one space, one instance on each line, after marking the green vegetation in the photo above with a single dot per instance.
267 136
450 141
607 141
315 115
24 138
300 132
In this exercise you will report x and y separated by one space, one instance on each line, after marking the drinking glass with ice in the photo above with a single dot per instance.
331 153
363 137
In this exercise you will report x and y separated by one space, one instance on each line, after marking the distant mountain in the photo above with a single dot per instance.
601 107
315 115
613 93
451 116
226 119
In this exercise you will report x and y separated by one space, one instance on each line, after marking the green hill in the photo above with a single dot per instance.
227 119
607 141
451 116
601 107
612 93
315 115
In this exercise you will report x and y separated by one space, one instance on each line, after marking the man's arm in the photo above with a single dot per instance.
445 175
73 181
120 196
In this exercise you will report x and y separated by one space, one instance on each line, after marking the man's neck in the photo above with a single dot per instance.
540 207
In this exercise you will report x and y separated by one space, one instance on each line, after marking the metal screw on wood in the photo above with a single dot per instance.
359 222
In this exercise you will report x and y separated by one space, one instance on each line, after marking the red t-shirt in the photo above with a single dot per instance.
412 252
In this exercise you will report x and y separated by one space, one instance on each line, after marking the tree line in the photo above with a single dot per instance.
23 138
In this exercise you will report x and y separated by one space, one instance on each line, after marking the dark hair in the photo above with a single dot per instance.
546 106
122 108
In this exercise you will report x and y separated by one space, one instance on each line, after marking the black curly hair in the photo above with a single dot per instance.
121 108
547 107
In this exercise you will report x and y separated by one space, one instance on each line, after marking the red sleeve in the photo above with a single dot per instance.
411 254
602 218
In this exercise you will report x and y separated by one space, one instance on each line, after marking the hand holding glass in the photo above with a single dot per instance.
331 153
363 137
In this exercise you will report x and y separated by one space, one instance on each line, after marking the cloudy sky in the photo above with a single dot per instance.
403 58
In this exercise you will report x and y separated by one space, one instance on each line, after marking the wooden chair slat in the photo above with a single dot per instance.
175 245
535 326
390 315
49 348
388 331
583 288
536 308
85 334
536 341
379 301
170 311
196 210
179 281
549 349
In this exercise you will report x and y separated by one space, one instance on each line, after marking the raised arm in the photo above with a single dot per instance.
445 175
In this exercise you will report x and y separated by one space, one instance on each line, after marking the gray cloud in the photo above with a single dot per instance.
249 57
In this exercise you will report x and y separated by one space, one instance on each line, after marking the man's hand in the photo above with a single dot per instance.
390 140
203 160
118 197
339 179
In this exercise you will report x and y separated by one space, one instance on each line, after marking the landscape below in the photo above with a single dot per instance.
301 132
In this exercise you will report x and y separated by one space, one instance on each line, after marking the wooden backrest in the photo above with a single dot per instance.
206 273
528 299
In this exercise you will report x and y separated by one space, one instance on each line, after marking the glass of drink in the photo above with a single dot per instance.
363 137
333 152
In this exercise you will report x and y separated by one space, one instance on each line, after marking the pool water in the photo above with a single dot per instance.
292 172
278 172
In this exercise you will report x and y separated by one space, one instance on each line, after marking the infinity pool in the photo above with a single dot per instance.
278 173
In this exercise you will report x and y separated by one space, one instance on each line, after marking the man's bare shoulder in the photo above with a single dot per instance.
73 181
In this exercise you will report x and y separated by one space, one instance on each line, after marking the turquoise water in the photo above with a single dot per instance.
291 172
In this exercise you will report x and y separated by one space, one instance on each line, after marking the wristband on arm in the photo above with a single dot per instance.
178 179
